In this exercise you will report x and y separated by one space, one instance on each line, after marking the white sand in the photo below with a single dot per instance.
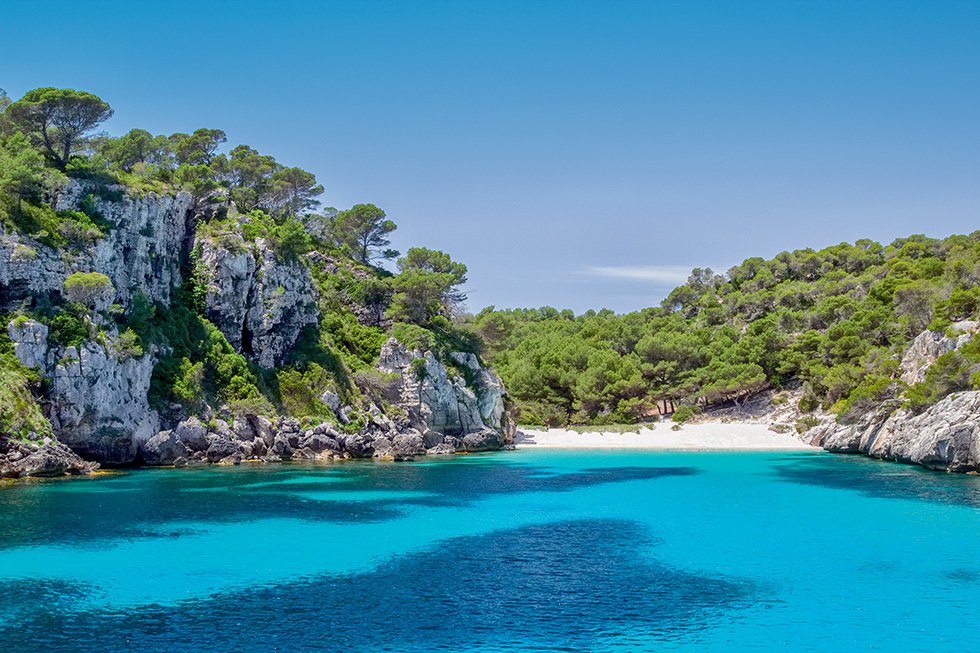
704 435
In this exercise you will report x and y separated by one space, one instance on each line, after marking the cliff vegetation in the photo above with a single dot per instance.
147 280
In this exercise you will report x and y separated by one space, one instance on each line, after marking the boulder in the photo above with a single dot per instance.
406 445
382 448
357 445
281 447
264 429
320 443
46 458
220 448
331 400
163 449
440 449
485 440
193 434
242 428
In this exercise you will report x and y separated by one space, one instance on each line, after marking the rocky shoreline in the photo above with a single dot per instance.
440 414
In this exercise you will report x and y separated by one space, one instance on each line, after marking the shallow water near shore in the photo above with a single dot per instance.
535 550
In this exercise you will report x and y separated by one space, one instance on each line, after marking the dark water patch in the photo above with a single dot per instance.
24 599
138 504
552 587
882 479
963 576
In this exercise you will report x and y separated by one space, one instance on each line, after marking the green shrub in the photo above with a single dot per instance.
128 345
412 336
86 287
684 412
419 368
806 423
67 329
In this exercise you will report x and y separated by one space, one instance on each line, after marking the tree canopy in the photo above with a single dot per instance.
58 118
364 228
427 286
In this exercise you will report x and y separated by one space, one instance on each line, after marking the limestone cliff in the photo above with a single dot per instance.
944 437
96 390
141 252
97 403
443 406
260 301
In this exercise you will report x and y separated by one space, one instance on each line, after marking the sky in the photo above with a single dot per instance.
580 155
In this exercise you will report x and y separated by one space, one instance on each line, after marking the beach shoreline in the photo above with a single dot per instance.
703 436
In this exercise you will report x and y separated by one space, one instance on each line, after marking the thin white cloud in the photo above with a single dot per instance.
671 274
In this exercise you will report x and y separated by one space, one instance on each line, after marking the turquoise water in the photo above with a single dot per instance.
518 551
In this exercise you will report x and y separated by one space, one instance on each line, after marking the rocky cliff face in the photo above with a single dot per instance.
142 252
259 301
944 437
98 399
443 414
443 406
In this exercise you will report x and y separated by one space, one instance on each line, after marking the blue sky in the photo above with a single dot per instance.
573 154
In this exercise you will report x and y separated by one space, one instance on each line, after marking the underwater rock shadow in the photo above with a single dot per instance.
556 586
224 496
883 479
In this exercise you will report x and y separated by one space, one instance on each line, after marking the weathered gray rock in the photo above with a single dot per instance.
220 448
281 447
382 448
193 434
242 428
319 443
945 437
30 340
357 445
264 429
222 429
260 301
99 403
40 458
439 404
485 440
407 445
163 449
142 251
930 345
331 400
441 449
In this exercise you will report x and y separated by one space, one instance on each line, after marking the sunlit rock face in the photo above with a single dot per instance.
260 301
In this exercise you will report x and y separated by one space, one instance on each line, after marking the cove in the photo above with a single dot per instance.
529 550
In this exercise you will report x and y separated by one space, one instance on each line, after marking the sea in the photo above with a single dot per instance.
527 550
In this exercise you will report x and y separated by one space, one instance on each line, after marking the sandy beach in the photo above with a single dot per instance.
704 436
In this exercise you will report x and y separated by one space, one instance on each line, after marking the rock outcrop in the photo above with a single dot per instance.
930 345
98 399
96 392
260 301
141 252
99 403
441 405
46 457
944 437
